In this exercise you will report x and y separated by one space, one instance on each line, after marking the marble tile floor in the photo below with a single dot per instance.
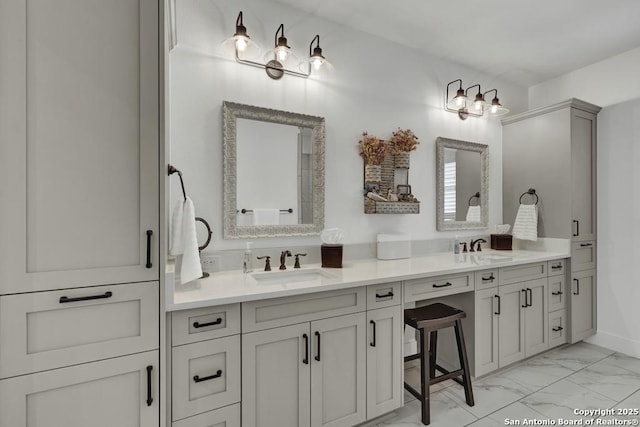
546 388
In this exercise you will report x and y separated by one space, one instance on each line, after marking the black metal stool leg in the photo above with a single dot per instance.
424 379
433 351
464 364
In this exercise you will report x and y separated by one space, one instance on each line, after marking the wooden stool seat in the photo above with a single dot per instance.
428 320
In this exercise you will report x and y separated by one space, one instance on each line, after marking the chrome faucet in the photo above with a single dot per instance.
473 242
283 258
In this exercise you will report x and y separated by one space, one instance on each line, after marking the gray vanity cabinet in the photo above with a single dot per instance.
79 143
487 314
583 305
79 146
304 360
309 374
384 360
553 150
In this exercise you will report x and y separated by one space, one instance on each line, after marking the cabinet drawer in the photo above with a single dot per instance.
583 256
47 330
202 324
557 293
205 376
122 391
229 416
431 287
486 279
557 328
276 312
384 295
521 273
556 267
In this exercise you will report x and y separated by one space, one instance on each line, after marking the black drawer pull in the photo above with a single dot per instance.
577 223
556 267
204 325
488 279
149 234
558 329
305 337
577 292
585 245
557 293
197 379
149 397
317 356
442 286
387 295
373 342
499 308
107 294
530 293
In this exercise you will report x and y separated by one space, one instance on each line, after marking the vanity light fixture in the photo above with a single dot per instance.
280 60
461 105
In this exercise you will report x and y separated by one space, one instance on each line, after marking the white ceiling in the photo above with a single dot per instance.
525 41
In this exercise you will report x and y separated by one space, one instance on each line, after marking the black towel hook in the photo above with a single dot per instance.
173 170
532 192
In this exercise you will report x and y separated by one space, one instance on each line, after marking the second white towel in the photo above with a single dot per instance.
263 216
525 226
473 214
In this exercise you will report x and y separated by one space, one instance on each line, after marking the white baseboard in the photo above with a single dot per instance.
614 342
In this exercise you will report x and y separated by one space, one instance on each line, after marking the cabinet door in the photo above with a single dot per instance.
79 133
276 377
511 324
338 371
583 175
583 305
536 334
488 306
119 392
384 360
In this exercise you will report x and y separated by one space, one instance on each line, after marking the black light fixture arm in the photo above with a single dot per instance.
239 20
277 39
466 92
317 40
489 91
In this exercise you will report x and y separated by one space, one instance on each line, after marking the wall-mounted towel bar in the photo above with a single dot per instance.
244 211
532 193
475 196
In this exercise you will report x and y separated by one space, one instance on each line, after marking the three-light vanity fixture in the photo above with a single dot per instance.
464 107
280 60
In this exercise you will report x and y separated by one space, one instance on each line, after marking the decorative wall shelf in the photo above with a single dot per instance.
388 181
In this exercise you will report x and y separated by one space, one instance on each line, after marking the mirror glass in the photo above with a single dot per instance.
462 182
273 172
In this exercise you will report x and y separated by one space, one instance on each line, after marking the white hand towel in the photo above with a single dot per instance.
263 216
184 241
526 224
473 214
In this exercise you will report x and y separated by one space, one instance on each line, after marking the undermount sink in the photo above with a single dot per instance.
491 256
291 276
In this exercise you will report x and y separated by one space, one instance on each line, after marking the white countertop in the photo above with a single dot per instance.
233 286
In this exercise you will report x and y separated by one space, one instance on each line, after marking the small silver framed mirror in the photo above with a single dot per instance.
462 185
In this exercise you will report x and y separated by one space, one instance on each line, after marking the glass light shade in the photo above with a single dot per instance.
497 110
246 48
317 65
283 55
457 102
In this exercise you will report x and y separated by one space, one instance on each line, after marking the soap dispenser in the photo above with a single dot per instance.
247 264
456 246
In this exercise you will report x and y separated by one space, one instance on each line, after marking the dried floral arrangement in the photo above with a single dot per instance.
373 149
404 141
